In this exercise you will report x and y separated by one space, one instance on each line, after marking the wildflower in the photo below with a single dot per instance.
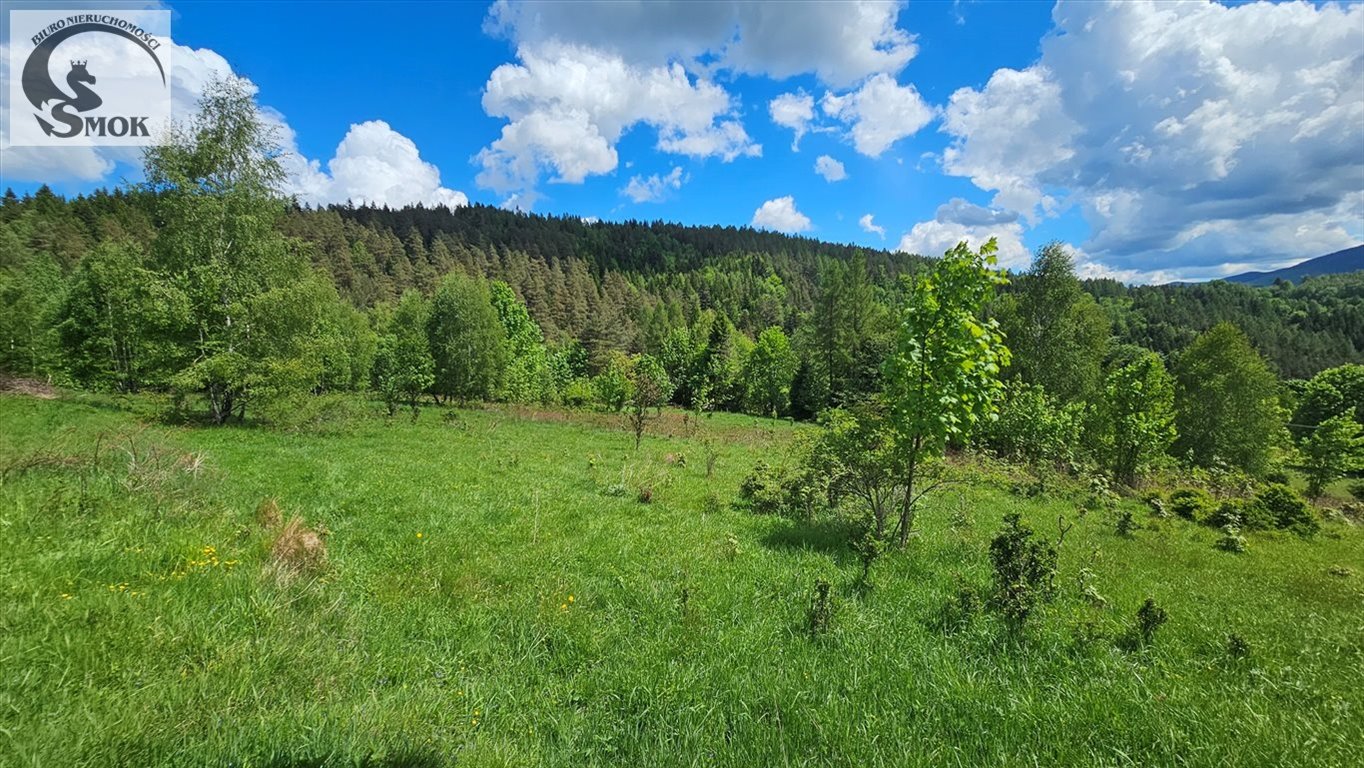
419 534
570 598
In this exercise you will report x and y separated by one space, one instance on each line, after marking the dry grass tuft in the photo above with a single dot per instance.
268 514
298 549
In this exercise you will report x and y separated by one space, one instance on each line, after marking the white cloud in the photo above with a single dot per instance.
841 42
376 165
879 113
794 111
868 225
373 163
830 169
589 71
1195 138
962 212
934 238
654 188
781 215
569 105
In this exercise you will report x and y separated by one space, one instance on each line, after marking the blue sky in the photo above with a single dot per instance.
1163 141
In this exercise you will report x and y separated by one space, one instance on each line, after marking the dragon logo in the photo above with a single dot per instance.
65 113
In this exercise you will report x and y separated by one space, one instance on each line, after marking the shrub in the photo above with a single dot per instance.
646 495
762 490
1025 572
1232 540
711 505
578 393
1126 523
1287 509
962 608
1356 490
1191 504
821 609
1150 617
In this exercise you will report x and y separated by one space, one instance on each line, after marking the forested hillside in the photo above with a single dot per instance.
624 285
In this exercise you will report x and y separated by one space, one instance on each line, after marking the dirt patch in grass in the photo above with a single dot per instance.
10 385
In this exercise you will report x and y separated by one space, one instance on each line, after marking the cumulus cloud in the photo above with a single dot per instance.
568 106
830 169
794 111
589 71
654 188
962 212
1195 138
375 165
868 225
879 113
841 42
934 238
781 215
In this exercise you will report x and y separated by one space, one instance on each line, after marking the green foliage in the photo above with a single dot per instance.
1024 572
528 377
1033 427
1136 417
403 368
118 320
650 389
768 374
1191 504
1057 333
1287 509
942 379
821 615
857 455
1333 449
216 193
1150 617
1231 539
468 342
1227 403
612 387
1332 392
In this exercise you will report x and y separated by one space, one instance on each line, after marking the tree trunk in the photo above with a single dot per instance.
907 503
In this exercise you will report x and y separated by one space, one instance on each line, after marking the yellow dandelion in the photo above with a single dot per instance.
563 606
570 598
419 535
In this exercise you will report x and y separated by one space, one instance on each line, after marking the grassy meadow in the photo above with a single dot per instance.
496 593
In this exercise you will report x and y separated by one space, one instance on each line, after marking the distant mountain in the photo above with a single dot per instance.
1348 260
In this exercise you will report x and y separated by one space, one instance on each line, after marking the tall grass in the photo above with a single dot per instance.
494 593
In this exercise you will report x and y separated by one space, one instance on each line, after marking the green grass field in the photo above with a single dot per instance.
497 594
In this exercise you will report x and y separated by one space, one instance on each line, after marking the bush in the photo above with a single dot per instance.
1025 572
1287 509
1127 524
821 613
1232 540
762 490
1191 504
1356 490
578 393
1150 617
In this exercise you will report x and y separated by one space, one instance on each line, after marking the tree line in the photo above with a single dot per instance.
205 282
